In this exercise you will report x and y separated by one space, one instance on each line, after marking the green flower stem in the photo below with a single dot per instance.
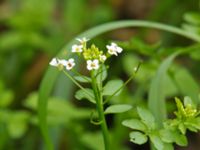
76 83
100 110
127 81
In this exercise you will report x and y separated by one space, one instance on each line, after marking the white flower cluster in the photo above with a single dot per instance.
113 49
69 64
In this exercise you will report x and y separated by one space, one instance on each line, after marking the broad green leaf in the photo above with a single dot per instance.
187 85
170 136
157 142
83 79
81 94
134 124
156 97
192 124
52 74
180 139
63 115
95 137
138 137
167 136
146 117
18 124
193 18
168 146
112 86
6 97
118 108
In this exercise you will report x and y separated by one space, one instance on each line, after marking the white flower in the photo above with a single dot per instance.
82 40
118 49
114 49
59 63
70 64
54 62
77 48
93 64
102 58
62 62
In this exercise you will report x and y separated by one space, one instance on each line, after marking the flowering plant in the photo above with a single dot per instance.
99 93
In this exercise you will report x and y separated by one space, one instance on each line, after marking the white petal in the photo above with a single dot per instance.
77 48
113 44
71 60
119 49
82 40
96 61
62 62
102 58
89 67
89 62
112 52
96 67
53 62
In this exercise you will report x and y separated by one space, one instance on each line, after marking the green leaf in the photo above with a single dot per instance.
134 124
193 18
18 124
180 139
138 137
157 142
170 136
146 117
95 137
81 94
182 128
118 108
156 99
83 79
187 85
112 86
6 98
167 136
168 146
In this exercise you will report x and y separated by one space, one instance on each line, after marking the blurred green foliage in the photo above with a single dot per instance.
32 31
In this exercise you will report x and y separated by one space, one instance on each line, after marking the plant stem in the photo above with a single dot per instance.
100 110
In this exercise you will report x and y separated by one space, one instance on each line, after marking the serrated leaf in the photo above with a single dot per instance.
170 136
146 117
138 137
182 128
83 79
81 94
118 108
112 86
134 124
180 139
